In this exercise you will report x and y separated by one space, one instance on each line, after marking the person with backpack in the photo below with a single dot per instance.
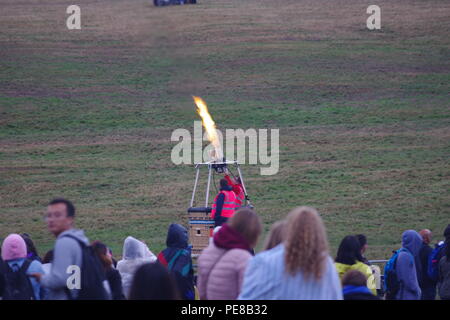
177 259
444 268
427 285
222 264
16 270
349 258
400 273
71 253
435 256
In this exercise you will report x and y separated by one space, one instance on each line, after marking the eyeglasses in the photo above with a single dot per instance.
54 215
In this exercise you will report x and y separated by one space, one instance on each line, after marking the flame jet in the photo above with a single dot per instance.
210 127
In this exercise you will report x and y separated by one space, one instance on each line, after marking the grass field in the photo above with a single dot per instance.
364 116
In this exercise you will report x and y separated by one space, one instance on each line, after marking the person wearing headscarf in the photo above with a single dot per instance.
14 256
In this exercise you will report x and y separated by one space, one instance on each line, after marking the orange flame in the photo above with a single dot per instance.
210 127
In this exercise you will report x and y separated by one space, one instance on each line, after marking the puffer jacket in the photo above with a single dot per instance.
221 266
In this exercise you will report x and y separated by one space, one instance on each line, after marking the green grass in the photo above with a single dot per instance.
364 117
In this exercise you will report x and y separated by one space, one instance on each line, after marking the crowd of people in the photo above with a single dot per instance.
295 263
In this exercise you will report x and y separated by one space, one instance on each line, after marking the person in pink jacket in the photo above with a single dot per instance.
221 266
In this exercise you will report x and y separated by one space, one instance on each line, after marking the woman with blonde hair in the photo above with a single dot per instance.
298 269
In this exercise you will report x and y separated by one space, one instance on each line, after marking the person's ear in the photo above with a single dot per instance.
71 220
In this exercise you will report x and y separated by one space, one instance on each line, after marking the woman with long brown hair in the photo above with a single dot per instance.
298 269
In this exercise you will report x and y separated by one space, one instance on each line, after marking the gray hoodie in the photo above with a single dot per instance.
67 252
407 266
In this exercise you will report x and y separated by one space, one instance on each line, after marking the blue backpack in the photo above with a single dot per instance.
433 261
391 282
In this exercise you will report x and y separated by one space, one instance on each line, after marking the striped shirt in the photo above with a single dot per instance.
265 279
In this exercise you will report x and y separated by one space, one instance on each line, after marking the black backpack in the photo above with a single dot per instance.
92 275
17 284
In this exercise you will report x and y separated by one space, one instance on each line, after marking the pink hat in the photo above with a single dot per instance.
13 247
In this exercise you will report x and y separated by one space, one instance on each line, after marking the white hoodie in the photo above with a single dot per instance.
135 253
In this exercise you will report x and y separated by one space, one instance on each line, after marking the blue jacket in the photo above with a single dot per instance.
266 279
408 267
35 267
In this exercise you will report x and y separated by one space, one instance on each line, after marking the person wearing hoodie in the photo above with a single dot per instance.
349 258
177 259
67 252
14 256
135 253
408 267
222 264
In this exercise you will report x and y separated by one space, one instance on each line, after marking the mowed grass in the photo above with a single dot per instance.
364 116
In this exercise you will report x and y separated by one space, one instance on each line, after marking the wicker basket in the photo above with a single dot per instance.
200 230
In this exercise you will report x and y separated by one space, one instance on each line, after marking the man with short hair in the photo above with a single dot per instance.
67 252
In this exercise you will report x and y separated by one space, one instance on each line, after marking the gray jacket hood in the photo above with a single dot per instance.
76 233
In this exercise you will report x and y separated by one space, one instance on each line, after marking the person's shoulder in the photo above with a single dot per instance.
330 262
238 253
405 256
361 265
268 256
120 264
66 243
35 266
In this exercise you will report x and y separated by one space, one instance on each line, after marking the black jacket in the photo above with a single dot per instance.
424 280
444 278
115 283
